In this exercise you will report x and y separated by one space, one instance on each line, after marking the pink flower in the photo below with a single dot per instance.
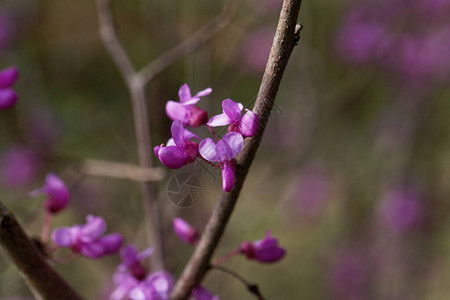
185 232
185 110
8 96
179 150
247 125
200 293
223 152
265 250
57 193
88 239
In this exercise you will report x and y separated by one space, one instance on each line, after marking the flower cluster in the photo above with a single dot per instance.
88 239
133 282
8 97
181 149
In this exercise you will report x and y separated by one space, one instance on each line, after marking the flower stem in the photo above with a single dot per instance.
213 133
46 228
251 287
221 259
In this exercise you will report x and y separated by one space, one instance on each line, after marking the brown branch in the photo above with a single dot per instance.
43 281
284 41
94 167
194 42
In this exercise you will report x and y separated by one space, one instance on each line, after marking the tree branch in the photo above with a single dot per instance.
43 281
284 41
195 41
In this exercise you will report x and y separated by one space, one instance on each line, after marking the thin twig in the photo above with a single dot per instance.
112 169
251 287
282 46
195 41
43 281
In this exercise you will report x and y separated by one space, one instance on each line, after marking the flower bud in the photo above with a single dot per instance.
185 232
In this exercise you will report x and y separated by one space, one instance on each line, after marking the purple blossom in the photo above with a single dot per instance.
88 239
185 232
223 152
401 209
179 150
265 250
131 261
56 191
8 97
185 110
19 166
246 125
200 293
156 286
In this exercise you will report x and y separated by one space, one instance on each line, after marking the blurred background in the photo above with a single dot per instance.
353 174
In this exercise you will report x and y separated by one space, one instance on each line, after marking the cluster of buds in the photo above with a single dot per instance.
8 97
181 149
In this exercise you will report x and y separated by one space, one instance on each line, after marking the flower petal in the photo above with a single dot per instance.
203 93
227 178
8 77
177 131
220 120
184 93
189 135
8 99
232 109
172 157
94 228
191 102
235 142
64 237
249 124
176 111
207 149
111 243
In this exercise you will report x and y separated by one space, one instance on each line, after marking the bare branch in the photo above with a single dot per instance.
120 170
43 281
195 41
111 42
282 46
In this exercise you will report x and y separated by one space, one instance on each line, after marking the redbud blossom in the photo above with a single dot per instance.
246 125
265 250
223 152
179 150
88 239
8 96
200 293
185 110
56 191
185 232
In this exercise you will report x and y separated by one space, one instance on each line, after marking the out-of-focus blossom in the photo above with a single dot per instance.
179 150
256 47
131 260
310 190
265 250
156 286
185 232
200 293
57 193
19 166
8 97
401 209
247 125
185 110
348 277
88 239
223 152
